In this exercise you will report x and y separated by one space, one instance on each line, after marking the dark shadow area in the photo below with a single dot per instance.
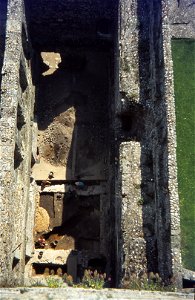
98 264
26 44
188 284
17 157
49 269
132 118
154 156
20 117
3 20
22 77
15 262
73 95
79 86
76 94
72 227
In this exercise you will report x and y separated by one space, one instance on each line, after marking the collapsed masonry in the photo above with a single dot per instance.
88 165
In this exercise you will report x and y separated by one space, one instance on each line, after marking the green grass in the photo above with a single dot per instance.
183 51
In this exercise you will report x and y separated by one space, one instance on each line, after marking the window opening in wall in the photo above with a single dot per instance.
15 262
17 157
20 117
23 77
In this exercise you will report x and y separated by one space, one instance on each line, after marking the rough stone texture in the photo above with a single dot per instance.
137 215
150 119
133 243
171 146
15 147
82 294
182 18
187 274
33 200
51 256
128 46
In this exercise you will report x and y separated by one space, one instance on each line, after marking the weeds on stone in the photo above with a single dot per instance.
68 279
94 280
54 282
133 96
90 279
140 201
151 282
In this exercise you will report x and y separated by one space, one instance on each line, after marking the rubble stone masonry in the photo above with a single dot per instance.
147 222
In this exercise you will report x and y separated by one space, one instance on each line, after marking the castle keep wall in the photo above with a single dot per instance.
15 147
147 114
136 211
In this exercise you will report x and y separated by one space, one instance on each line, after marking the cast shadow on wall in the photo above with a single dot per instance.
145 122
154 156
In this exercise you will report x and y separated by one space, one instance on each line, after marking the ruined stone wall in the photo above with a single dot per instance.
131 242
146 199
15 147
128 45
148 122
166 190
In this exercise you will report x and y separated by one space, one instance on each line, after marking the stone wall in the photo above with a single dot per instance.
148 119
142 159
181 18
133 242
128 46
15 147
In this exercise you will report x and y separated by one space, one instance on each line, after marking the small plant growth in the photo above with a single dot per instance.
151 282
94 280
90 279
54 282
68 279
133 96
140 201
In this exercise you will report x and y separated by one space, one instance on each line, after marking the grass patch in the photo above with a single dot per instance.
183 51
